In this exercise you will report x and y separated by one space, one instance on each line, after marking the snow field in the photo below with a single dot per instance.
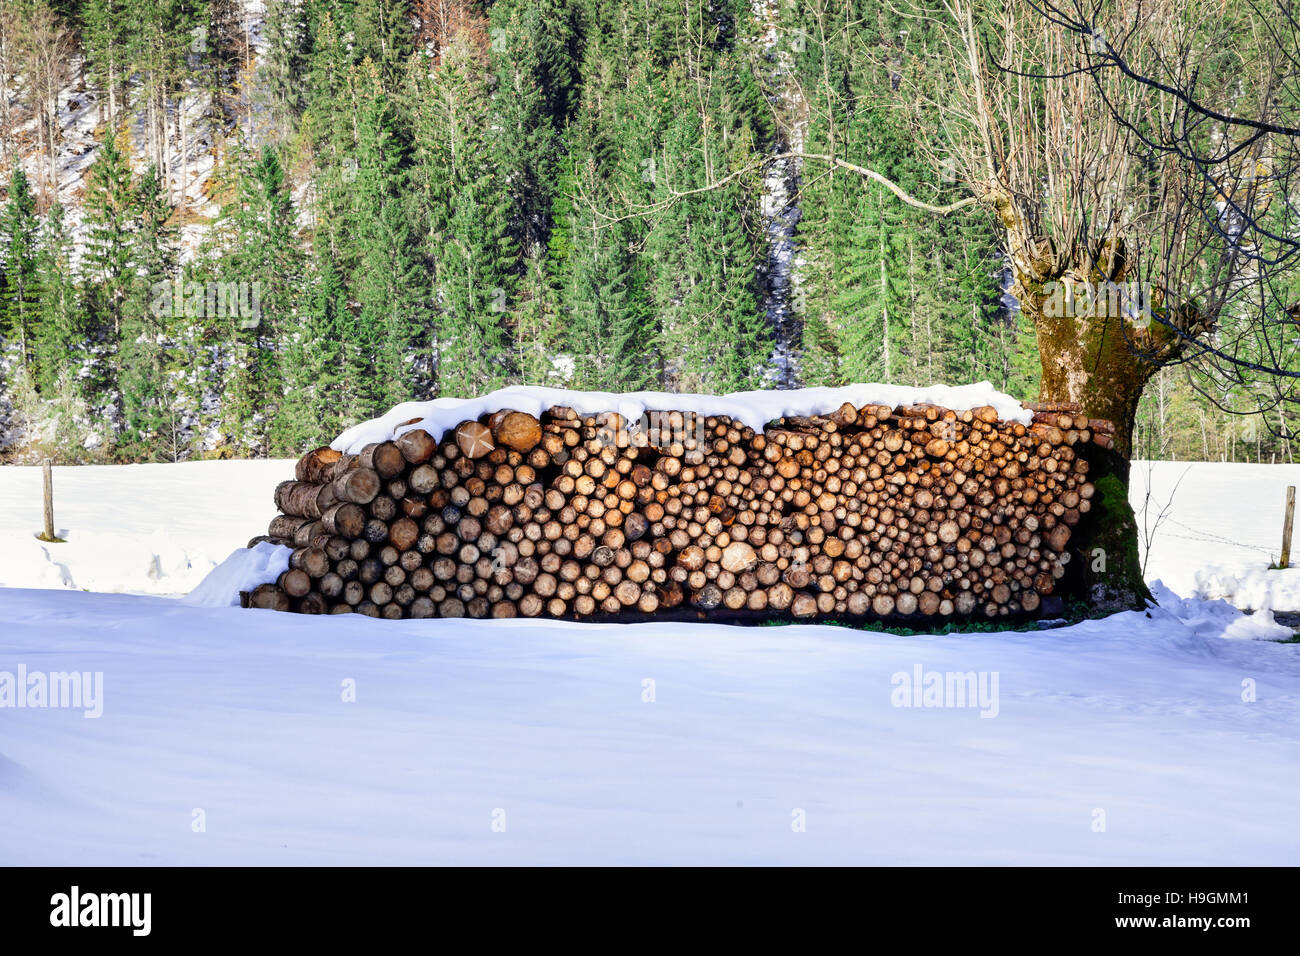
145 529
1222 530
232 736
1130 740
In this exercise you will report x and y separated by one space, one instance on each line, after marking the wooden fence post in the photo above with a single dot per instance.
50 502
1286 527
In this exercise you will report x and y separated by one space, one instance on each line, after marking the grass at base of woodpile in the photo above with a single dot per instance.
1075 611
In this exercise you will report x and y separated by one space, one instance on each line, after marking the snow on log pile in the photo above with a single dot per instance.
861 511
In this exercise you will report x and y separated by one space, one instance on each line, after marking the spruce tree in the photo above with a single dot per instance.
468 244
105 31
322 373
61 329
280 69
256 268
19 296
149 412
608 336
390 282
107 265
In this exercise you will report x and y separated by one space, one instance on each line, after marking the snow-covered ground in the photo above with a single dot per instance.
231 736
225 737
1222 530
145 529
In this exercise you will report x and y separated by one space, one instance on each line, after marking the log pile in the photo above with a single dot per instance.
867 512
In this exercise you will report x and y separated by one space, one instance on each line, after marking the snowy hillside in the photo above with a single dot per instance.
81 111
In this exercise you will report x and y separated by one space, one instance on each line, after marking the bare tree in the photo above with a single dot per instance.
46 46
9 28
1142 229
1209 92
1125 257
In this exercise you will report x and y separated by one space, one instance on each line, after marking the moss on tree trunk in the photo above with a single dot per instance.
1091 360
1110 572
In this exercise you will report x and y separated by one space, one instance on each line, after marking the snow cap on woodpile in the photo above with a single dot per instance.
754 409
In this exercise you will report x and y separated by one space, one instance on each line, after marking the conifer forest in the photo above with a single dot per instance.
231 228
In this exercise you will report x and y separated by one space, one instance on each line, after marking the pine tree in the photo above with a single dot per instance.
704 249
521 139
256 268
390 282
280 68
161 36
475 284
149 411
607 322
19 296
321 378
467 241
108 268
105 30
61 330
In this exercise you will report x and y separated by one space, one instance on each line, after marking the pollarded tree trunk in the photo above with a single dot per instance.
1089 361
1093 355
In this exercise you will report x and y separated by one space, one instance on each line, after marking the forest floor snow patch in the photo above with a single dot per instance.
1221 530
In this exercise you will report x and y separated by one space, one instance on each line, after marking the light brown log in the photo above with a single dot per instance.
360 485
346 520
314 465
286 526
739 556
804 605
403 533
294 583
474 439
416 446
269 597
385 458
314 561
517 430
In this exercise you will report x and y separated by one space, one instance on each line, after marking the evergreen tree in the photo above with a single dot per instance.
149 411
280 68
607 332
19 292
521 138
390 281
256 268
105 31
322 373
109 270
704 249
468 245
61 331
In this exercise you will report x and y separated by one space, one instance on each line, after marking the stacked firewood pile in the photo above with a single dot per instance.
875 512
